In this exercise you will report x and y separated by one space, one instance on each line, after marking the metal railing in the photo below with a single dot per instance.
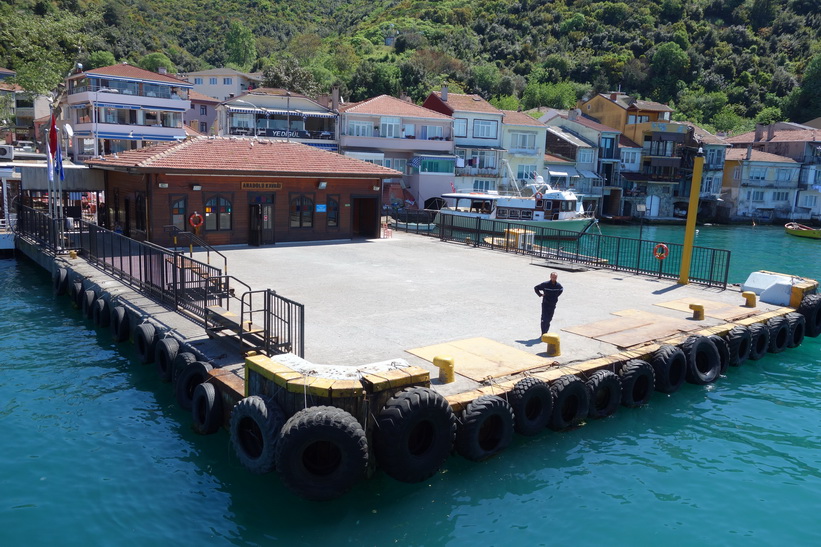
708 267
190 240
169 277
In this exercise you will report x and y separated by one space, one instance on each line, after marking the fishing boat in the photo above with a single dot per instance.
795 229
536 205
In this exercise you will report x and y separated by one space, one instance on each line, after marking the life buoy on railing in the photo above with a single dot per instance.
537 195
195 220
661 251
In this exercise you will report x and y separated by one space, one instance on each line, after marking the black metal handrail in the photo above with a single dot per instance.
179 236
708 266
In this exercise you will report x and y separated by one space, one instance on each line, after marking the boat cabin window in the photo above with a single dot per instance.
569 205
480 206
513 213
501 213
527 215
547 204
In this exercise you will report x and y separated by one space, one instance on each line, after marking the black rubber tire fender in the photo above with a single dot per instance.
637 383
195 373
604 388
414 434
321 453
182 361
739 341
669 367
164 354
120 328
75 293
571 402
255 425
486 428
88 299
810 308
60 281
206 409
759 341
723 352
779 329
145 339
532 404
798 329
703 360
101 313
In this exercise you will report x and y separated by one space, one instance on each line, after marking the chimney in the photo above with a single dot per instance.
614 97
335 98
759 132
770 131
749 152
573 114
444 93
162 70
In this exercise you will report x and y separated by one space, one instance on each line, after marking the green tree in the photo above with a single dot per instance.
560 95
727 119
804 102
96 59
670 63
286 73
240 45
372 78
155 61
505 102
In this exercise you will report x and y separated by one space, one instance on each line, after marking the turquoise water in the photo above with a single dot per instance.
95 451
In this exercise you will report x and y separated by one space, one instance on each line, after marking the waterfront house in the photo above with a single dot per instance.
122 107
395 133
523 141
267 113
584 155
202 116
477 136
802 144
18 110
235 190
221 83
759 186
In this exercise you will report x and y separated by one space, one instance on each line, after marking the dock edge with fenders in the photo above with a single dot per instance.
323 428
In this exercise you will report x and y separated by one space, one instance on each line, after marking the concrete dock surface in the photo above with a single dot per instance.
412 297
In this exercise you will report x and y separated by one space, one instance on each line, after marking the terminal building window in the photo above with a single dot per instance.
218 213
302 211
333 212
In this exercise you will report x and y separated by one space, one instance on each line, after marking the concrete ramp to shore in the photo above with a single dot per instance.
482 358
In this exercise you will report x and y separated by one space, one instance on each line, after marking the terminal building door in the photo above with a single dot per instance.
261 223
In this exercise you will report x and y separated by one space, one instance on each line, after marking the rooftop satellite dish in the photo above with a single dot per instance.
69 130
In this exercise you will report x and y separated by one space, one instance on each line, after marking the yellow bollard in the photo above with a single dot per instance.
698 311
446 368
72 254
749 298
554 347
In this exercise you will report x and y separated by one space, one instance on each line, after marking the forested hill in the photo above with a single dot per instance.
722 63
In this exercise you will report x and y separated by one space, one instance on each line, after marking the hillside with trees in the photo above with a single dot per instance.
724 64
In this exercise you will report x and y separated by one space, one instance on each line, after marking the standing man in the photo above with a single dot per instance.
549 291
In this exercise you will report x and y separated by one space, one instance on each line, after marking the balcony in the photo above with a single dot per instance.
410 144
477 172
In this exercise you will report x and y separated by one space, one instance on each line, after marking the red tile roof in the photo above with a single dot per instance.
200 98
124 70
513 117
556 159
624 142
243 155
385 105
587 122
701 134
780 135
10 87
757 155
468 103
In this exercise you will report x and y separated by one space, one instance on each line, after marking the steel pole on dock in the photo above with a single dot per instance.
692 213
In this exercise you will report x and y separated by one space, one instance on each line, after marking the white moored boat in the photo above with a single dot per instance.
537 205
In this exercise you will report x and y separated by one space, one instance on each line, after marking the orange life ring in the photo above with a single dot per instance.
537 195
195 220
661 251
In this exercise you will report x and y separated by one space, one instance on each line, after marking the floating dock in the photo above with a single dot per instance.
416 348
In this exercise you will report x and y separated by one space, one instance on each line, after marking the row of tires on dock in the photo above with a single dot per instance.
320 452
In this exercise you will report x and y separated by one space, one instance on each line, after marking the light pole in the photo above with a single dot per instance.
692 212
640 208
288 116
